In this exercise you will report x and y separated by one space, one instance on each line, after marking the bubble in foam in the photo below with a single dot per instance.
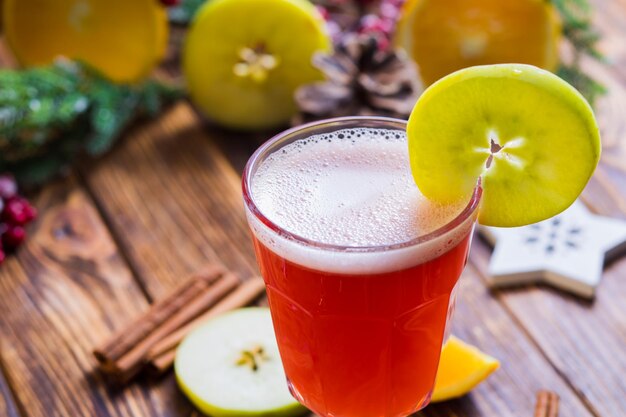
347 192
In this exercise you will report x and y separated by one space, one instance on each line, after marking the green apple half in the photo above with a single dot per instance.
529 136
230 366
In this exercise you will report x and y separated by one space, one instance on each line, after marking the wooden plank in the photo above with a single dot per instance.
67 290
480 319
606 192
8 408
174 202
237 146
584 341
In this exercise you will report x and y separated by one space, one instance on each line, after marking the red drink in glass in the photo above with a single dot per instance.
360 269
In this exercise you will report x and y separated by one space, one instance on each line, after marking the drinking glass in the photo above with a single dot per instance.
359 329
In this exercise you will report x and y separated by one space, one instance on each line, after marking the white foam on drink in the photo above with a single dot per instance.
349 188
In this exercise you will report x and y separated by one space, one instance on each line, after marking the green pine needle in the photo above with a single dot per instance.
50 115
588 87
579 31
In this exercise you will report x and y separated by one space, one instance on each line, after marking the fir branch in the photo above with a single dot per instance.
50 115
579 31
578 26
588 87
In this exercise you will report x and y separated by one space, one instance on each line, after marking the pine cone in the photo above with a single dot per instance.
361 79
341 15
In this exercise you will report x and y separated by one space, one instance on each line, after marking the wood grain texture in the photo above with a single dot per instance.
511 391
169 195
583 341
187 208
65 292
8 407
579 338
237 146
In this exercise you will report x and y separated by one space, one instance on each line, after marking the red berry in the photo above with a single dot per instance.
13 237
30 211
169 3
18 211
373 24
8 186
15 212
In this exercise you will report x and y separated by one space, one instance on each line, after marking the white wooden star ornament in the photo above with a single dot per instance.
567 251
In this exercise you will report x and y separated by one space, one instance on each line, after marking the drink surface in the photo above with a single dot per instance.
351 187
359 330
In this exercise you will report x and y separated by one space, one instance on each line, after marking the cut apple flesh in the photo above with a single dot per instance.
230 366
243 59
530 138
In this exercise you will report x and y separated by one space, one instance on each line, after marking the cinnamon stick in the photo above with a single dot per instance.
125 339
161 364
547 404
129 364
162 355
124 355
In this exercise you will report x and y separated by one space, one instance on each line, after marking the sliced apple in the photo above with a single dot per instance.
230 366
529 136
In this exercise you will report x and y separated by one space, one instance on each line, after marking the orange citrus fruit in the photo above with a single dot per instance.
445 36
123 39
461 368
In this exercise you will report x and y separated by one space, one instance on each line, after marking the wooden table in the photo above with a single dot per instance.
121 231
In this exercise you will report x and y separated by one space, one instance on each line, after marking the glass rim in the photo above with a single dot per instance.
273 144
